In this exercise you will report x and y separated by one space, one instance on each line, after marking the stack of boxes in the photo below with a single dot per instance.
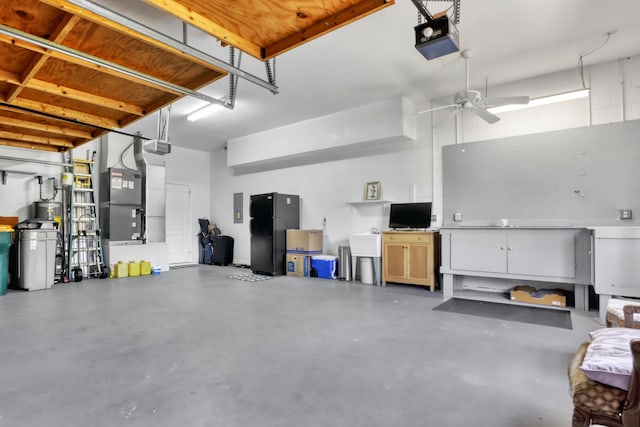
301 245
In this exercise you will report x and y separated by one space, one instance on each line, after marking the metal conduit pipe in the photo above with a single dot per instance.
171 42
42 162
46 44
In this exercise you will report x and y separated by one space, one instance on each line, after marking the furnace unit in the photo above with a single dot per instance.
121 205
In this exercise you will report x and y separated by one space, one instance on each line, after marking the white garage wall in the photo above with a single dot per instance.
615 96
326 189
20 191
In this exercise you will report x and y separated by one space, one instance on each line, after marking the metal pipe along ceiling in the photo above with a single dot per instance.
46 44
171 42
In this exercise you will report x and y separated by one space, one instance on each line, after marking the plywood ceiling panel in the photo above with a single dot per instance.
267 28
54 99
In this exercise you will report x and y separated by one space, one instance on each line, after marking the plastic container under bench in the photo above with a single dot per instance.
324 266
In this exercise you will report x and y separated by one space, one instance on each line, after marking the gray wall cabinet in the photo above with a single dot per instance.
616 266
557 255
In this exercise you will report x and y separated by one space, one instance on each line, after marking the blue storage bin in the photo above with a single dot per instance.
324 266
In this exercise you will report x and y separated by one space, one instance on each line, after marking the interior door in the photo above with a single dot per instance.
180 235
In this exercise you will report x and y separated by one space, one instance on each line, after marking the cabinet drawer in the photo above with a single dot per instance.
407 238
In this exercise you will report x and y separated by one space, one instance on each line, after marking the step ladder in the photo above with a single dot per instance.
84 242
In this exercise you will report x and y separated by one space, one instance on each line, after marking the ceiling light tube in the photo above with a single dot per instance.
536 102
203 112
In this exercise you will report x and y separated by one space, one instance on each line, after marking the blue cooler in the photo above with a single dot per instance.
324 266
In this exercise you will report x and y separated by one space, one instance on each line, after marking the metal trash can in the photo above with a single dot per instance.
36 254
344 263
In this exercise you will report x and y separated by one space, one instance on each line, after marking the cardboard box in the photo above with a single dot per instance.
304 241
298 265
529 294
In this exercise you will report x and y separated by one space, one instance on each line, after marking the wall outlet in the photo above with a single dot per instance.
625 213
457 217
434 218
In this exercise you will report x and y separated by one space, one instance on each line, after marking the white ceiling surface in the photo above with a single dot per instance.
375 58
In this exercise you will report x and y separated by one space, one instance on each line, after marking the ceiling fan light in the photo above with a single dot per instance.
545 100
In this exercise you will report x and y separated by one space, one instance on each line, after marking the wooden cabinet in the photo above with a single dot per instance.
410 257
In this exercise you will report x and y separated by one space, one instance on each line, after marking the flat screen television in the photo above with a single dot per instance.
410 215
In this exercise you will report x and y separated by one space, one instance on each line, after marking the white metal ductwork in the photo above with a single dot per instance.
153 192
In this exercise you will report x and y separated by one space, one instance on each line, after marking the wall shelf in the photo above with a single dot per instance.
370 202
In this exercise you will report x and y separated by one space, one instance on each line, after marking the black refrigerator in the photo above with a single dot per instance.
271 215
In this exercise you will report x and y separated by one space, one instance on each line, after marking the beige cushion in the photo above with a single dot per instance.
615 306
591 395
608 359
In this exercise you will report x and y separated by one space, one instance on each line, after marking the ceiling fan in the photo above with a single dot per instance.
470 99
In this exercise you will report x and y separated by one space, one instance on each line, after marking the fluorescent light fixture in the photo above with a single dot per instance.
536 102
205 111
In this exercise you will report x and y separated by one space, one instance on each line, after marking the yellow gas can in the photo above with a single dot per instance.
134 268
122 269
145 267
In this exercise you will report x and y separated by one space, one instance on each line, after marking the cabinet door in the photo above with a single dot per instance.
420 263
617 266
550 253
479 250
394 262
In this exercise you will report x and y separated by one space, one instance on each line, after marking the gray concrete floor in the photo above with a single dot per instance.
191 347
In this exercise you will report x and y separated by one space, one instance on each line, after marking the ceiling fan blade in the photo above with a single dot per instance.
440 121
484 114
507 100
437 108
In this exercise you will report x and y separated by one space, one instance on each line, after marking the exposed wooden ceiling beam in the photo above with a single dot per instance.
79 95
58 130
79 116
65 26
36 139
71 93
33 146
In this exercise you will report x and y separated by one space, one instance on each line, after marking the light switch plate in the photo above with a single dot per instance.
457 217
625 214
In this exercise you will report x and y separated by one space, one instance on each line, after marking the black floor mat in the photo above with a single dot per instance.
515 313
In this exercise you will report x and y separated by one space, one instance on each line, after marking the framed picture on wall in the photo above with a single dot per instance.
372 191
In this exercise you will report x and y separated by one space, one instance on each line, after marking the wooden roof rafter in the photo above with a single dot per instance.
48 128
71 93
32 146
60 33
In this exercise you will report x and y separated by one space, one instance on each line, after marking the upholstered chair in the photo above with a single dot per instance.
623 313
